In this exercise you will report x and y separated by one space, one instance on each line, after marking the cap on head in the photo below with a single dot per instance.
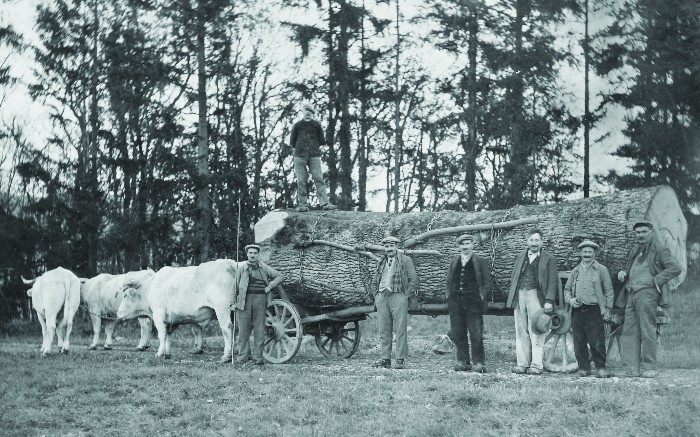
308 106
391 239
641 224
588 243
464 237
252 246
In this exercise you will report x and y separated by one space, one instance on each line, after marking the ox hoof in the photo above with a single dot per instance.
92 347
198 352
65 351
142 348
166 356
225 359
107 347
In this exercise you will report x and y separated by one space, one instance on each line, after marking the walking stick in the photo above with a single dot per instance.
233 325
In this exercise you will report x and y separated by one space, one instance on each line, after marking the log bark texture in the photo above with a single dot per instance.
323 277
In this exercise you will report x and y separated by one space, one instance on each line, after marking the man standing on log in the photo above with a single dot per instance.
533 285
650 266
395 282
589 290
469 283
307 137
255 285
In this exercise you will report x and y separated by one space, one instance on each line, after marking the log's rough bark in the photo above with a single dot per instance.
324 277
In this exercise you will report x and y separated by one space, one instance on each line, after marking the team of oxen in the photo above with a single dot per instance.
170 297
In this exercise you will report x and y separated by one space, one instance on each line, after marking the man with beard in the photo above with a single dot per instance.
533 285
395 282
589 290
650 266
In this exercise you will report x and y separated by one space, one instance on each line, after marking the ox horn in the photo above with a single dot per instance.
28 281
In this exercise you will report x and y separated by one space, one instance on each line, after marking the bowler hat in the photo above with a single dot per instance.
642 223
464 237
540 322
391 239
588 243
252 246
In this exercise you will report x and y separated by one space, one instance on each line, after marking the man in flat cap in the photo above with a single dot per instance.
533 285
307 138
469 285
650 266
256 280
395 282
589 290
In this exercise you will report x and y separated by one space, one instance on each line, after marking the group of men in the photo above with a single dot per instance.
533 288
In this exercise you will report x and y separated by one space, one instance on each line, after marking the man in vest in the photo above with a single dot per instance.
469 284
650 266
255 283
307 138
533 285
395 282
589 290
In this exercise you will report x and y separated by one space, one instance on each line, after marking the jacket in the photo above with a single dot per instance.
272 279
603 286
547 278
484 280
407 271
306 138
662 266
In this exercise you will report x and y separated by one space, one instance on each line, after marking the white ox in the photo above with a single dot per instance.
102 296
183 295
55 289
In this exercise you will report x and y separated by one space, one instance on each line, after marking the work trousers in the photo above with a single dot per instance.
252 316
589 330
392 309
529 346
639 330
300 170
466 317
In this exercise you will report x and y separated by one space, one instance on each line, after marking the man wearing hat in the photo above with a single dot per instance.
533 286
650 266
469 284
307 138
255 282
589 290
395 282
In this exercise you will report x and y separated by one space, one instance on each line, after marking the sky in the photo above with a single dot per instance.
21 13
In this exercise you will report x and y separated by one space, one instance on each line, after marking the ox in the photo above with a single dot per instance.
183 295
102 296
55 290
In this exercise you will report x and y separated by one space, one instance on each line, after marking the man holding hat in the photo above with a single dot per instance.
307 138
255 283
469 284
589 290
395 282
650 266
533 286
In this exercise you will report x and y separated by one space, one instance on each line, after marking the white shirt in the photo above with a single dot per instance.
465 259
532 256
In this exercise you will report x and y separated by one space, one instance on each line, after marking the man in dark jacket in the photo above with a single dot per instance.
469 284
650 266
307 138
533 285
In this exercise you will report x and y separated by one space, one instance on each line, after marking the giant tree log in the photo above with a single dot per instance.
329 257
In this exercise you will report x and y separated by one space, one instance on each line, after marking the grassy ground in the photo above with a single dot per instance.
121 392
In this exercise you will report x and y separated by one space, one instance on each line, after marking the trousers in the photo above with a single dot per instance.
466 318
529 346
392 309
251 317
589 330
300 170
639 330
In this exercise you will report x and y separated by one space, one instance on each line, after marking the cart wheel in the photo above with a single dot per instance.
559 352
283 332
338 339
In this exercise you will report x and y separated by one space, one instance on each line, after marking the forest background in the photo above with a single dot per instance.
130 130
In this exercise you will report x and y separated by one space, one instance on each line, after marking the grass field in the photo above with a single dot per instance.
121 392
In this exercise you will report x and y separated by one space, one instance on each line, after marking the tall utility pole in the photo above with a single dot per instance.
397 114
587 110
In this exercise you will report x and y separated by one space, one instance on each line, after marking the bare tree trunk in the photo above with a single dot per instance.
471 148
397 113
587 109
203 200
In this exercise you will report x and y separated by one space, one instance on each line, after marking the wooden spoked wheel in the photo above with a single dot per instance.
559 352
283 332
338 339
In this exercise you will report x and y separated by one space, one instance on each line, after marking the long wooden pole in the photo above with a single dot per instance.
233 324
469 228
